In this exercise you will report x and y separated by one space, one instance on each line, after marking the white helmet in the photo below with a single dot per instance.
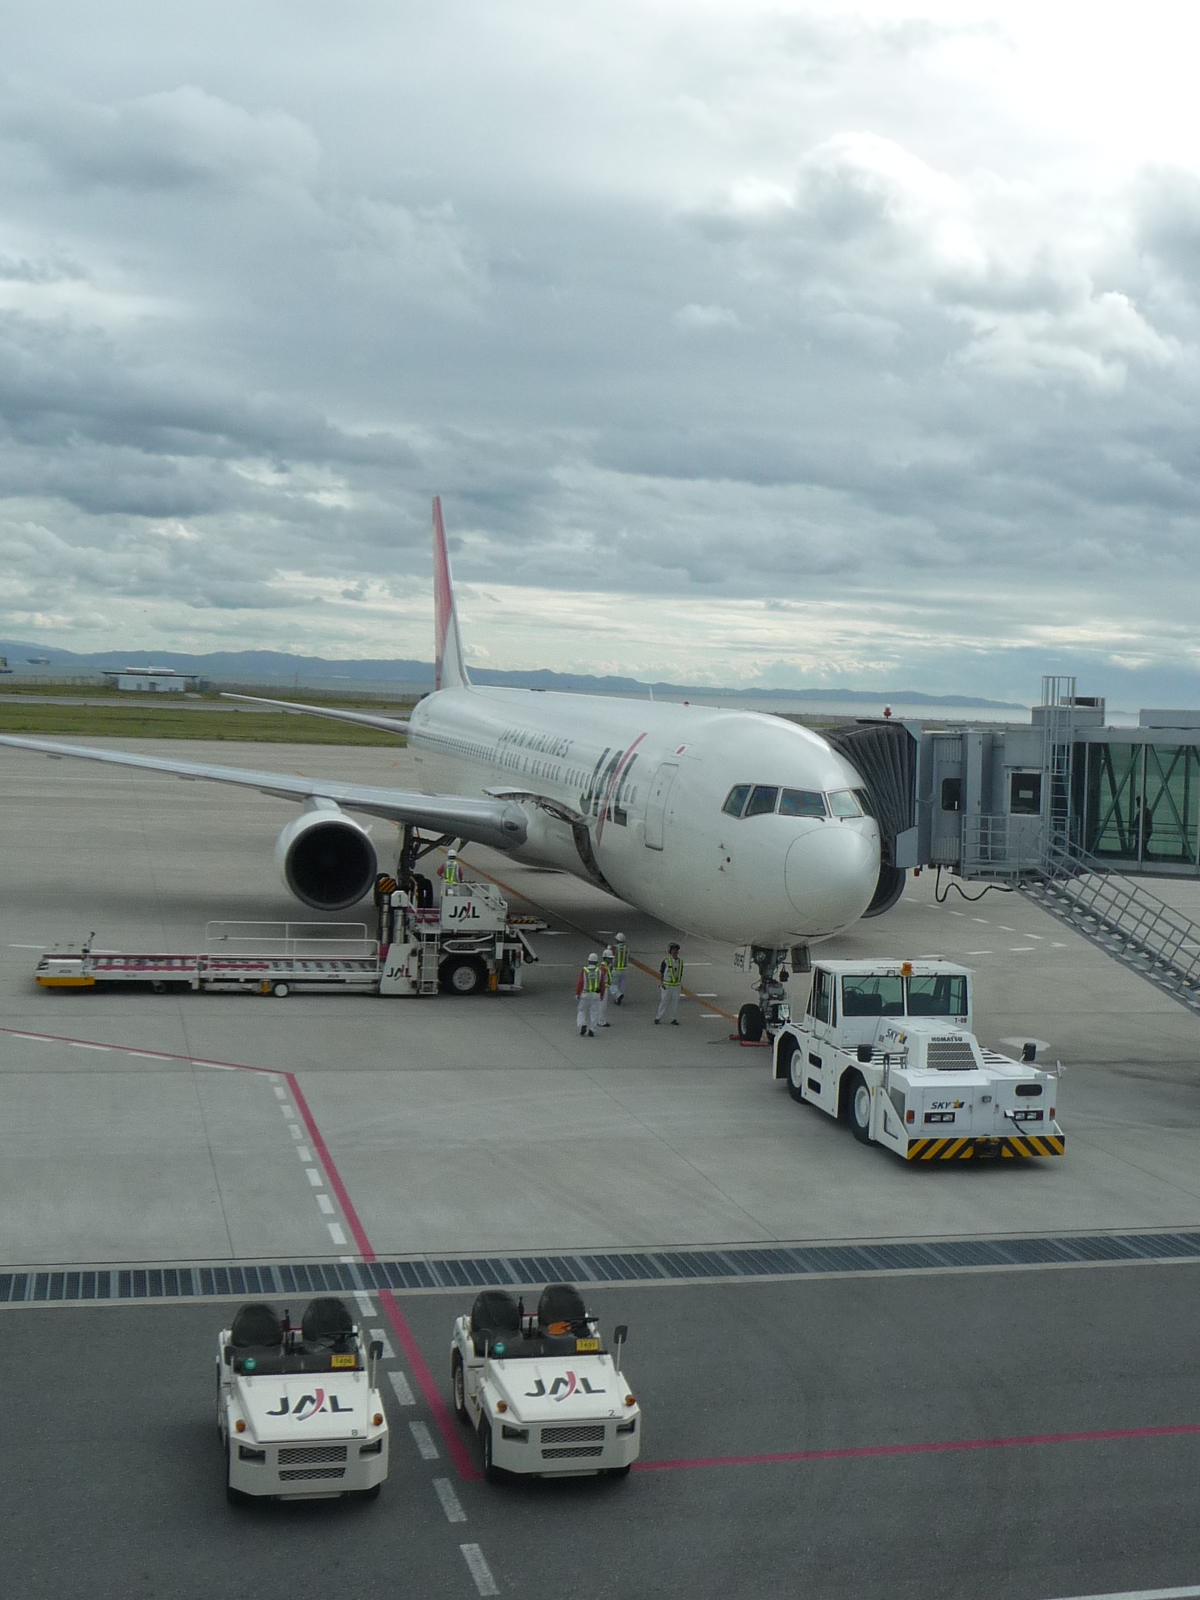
609 951
620 938
452 854
592 959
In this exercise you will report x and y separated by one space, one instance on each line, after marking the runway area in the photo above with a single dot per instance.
201 1128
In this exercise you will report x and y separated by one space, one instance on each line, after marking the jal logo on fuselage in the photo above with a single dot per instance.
562 1388
308 1406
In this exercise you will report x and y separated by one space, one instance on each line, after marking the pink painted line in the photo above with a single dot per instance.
935 1447
450 1432
136 1050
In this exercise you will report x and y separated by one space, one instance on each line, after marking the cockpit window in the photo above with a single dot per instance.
801 803
843 804
737 799
762 800
864 800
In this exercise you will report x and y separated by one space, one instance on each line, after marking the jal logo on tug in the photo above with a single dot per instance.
308 1406
562 1388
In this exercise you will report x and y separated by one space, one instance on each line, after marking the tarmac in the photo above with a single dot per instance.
144 1128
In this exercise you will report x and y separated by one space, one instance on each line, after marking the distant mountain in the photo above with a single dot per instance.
275 668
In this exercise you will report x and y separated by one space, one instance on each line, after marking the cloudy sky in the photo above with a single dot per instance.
785 344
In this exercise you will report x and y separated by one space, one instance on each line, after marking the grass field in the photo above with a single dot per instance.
189 721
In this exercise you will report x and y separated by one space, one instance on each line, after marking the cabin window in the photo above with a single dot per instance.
737 799
762 800
843 804
801 803
873 996
944 995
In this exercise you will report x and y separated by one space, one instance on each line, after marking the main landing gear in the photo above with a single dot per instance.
773 1008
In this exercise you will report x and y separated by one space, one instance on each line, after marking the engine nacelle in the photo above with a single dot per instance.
326 859
888 889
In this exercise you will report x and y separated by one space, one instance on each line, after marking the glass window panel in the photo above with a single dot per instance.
873 997
821 988
762 801
1167 819
943 995
737 799
801 803
843 804
1114 784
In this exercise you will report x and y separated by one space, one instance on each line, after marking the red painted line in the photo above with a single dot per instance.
137 1050
936 1447
451 1433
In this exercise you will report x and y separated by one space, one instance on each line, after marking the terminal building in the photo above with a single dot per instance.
153 680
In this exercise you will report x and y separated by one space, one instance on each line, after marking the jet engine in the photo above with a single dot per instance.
888 889
326 859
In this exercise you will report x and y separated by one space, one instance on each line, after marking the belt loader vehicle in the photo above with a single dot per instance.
298 1409
887 1047
543 1393
467 945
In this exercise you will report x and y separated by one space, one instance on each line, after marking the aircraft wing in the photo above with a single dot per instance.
366 718
496 821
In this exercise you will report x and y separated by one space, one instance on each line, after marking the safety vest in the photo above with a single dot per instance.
672 972
591 980
450 872
607 963
622 958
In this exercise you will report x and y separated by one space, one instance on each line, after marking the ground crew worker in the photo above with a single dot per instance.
450 870
607 961
620 968
670 983
589 991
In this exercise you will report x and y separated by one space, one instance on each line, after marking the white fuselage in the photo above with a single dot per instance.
638 787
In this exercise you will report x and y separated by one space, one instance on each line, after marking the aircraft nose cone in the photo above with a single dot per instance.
830 874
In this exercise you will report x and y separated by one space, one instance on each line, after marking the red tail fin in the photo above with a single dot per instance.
449 670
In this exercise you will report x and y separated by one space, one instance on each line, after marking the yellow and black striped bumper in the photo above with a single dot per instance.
1011 1147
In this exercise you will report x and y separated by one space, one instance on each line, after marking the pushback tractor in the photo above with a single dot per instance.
887 1048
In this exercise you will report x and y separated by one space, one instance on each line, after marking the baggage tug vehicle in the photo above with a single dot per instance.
542 1392
298 1410
887 1047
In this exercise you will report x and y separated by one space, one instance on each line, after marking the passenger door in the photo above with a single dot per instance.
656 806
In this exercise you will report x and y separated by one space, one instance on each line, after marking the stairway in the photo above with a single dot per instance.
1121 918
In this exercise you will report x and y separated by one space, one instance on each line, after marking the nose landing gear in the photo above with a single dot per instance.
773 1008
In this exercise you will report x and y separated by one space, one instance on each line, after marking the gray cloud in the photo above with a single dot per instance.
778 309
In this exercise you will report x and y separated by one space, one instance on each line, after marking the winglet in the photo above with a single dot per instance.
450 670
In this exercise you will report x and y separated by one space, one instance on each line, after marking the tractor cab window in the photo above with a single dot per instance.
801 803
944 995
873 996
822 990
736 799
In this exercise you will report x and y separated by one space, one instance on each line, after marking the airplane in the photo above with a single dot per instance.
731 825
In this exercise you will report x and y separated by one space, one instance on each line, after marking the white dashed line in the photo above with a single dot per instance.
1003 929
486 1584
304 1152
325 1204
27 947
404 1394
78 1044
1132 1594
1020 949
380 1335
335 1232
423 1440
956 913
280 1094
984 920
314 1177
288 1111
979 952
451 1505
146 1055
1056 944
294 1130
366 1309
711 1016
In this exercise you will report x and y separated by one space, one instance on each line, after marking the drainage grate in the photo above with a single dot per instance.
41 1286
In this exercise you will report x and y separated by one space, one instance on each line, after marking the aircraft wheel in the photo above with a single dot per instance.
281 991
750 1024
859 1099
458 1383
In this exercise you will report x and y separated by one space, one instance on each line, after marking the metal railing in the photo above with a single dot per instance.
309 940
